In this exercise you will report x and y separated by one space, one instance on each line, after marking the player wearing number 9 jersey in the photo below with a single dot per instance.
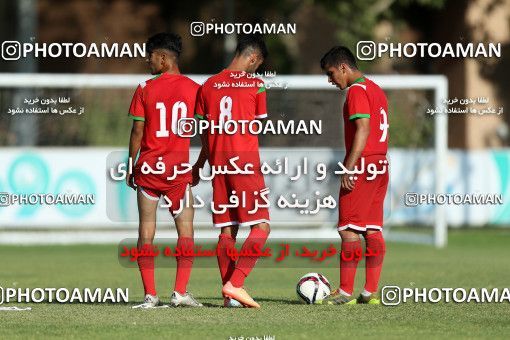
361 198
157 106
235 96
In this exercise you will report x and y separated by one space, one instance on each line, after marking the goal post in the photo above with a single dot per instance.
438 84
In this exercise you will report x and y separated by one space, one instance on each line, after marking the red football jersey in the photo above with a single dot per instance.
161 102
366 100
232 95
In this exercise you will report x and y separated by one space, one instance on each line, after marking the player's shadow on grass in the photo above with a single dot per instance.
286 302
220 301
208 304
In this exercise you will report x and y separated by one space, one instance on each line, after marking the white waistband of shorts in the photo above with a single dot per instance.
358 227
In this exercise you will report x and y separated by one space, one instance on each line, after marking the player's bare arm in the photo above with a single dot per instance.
360 140
134 146
202 158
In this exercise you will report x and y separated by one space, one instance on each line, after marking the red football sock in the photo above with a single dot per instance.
225 262
184 264
349 258
375 245
245 264
146 266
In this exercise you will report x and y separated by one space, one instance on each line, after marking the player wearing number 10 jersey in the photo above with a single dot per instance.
156 108
361 198
232 96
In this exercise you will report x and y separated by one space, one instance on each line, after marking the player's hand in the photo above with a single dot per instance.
346 182
130 181
195 175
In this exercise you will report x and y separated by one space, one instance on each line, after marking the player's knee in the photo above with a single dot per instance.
349 236
375 233
230 231
263 226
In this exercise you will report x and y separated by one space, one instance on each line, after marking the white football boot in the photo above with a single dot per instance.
150 301
186 300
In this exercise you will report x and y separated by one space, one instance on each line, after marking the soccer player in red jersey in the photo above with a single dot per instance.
361 200
156 108
231 96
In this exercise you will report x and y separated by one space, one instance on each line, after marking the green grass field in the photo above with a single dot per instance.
474 258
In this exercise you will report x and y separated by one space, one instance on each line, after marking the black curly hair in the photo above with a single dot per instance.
168 41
